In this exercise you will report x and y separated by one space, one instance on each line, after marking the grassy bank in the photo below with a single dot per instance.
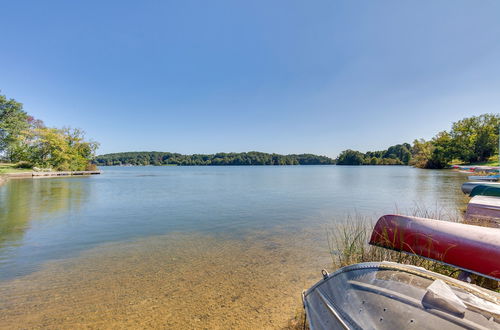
7 168
492 161
488 163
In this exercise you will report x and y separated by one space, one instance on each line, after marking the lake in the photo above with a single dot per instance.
188 247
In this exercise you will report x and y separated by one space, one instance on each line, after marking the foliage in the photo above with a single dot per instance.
243 158
422 151
399 154
350 157
23 164
470 140
13 122
25 140
60 149
431 154
475 139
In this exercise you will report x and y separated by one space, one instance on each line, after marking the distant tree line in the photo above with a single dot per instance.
242 158
470 140
28 142
399 154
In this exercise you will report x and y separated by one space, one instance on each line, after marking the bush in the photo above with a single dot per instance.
91 167
24 164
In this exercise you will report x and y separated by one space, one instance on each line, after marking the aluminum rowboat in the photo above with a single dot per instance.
387 295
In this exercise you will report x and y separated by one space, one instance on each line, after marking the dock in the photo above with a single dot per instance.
50 174
65 173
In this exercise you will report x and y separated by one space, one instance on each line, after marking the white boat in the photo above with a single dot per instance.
485 209
484 177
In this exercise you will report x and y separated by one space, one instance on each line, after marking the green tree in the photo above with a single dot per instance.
475 139
427 154
60 149
350 157
421 153
13 126
442 153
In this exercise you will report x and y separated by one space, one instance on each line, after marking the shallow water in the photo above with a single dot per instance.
192 247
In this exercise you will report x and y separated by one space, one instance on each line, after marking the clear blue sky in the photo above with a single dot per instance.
274 76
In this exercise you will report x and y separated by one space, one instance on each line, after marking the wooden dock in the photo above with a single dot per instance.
65 173
49 174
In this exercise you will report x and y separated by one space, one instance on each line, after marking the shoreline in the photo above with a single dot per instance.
6 176
27 175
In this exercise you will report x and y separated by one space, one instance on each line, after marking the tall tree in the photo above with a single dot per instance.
475 139
13 125
60 149
350 157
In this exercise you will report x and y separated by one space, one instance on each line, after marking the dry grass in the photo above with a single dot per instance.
298 322
348 244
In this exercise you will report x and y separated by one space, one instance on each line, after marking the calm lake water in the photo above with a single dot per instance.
195 247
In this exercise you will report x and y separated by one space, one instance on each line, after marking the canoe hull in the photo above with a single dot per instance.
484 190
468 186
483 177
484 209
472 248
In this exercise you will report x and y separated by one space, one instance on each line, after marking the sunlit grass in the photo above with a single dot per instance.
6 168
492 161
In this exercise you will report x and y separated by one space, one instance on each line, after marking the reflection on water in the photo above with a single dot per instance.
28 204
186 246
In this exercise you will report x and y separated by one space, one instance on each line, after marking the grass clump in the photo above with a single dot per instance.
348 244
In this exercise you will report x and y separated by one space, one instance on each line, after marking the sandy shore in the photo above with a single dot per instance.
174 281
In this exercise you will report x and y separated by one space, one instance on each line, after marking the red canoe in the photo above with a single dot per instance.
472 248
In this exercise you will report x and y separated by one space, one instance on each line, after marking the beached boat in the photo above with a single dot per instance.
484 177
467 168
484 190
472 248
487 170
468 186
484 208
386 295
